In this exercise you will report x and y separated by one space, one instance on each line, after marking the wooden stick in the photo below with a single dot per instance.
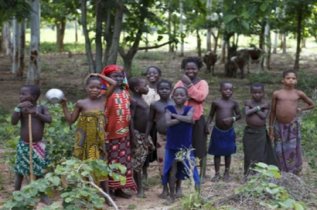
30 148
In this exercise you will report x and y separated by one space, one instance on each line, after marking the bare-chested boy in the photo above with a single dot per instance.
222 140
284 127
256 144
157 117
142 144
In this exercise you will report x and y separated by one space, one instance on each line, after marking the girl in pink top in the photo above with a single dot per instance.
197 92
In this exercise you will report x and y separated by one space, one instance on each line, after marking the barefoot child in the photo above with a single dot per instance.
222 140
89 113
141 144
157 119
118 144
256 144
179 119
153 76
284 127
39 114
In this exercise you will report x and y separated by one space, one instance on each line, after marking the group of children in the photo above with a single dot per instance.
130 122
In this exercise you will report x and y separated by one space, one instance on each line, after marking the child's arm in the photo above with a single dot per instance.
272 116
261 110
43 114
112 83
307 100
150 120
70 117
16 115
187 118
169 120
210 117
131 125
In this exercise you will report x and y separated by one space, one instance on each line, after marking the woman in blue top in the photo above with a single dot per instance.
179 119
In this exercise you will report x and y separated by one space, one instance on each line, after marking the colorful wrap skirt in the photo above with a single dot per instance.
39 159
288 146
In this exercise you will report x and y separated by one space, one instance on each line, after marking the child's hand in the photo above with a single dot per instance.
228 121
25 104
186 80
63 102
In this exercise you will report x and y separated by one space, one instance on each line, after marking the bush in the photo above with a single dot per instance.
264 77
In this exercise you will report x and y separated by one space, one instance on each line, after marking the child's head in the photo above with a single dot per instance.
29 93
191 66
180 95
115 72
226 89
257 91
138 85
164 88
153 74
289 78
93 86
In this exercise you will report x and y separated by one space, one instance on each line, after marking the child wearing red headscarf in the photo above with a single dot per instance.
118 144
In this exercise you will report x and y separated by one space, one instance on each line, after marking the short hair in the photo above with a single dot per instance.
133 83
255 85
222 83
164 81
286 72
154 67
90 78
34 90
185 89
195 60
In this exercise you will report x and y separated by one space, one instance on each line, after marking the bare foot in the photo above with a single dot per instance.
179 193
226 176
216 178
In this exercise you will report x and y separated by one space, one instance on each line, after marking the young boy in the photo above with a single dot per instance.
284 127
222 140
179 121
142 145
157 117
256 144
25 111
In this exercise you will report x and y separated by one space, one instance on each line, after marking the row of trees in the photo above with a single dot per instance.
120 27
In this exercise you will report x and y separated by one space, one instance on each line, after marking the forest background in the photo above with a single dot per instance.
55 43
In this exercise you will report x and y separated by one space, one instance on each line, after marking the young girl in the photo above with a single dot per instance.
179 120
118 144
90 114
197 93
153 75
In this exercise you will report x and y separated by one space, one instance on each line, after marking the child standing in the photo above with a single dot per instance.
32 118
141 145
197 93
256 144
222 140
118 115
284 127
89 112
179 120
153 76
157 119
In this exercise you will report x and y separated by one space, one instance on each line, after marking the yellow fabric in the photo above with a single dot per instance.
90 136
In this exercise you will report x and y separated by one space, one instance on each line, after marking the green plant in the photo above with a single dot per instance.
74 180
264 77
264 189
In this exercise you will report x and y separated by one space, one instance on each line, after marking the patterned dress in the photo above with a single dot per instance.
118 144
90 135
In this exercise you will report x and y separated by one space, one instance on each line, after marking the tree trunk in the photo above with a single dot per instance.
89 55
98 36
283 44
181 26
60 33
114 48
169 29
275 42
108 34
15 45
21 65
76 30
216 38
261 35
208 36
267 35
299 35
6 38
33 76
198 43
